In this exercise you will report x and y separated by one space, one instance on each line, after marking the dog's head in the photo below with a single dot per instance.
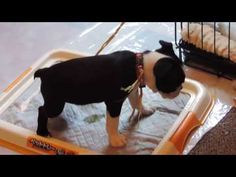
168 72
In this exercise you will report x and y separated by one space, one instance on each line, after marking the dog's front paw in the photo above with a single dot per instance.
118 140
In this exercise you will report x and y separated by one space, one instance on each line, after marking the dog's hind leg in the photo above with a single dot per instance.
42 122
49 110
53 106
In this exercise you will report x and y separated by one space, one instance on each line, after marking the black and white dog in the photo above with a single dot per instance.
111 79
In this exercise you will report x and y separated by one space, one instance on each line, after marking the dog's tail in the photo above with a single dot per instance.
40 72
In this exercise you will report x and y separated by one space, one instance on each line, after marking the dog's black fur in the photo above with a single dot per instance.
89 80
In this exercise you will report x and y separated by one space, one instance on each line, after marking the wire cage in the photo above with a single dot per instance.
198 57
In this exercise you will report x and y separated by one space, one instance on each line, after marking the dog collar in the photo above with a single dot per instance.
140 69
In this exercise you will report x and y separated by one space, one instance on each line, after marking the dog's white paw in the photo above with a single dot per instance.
118 140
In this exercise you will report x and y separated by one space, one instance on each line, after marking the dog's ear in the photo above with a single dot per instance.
167 49
165 44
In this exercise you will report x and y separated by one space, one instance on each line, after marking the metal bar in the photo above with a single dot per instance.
176 34
202 34
180 52
188 30
229 42
214 37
